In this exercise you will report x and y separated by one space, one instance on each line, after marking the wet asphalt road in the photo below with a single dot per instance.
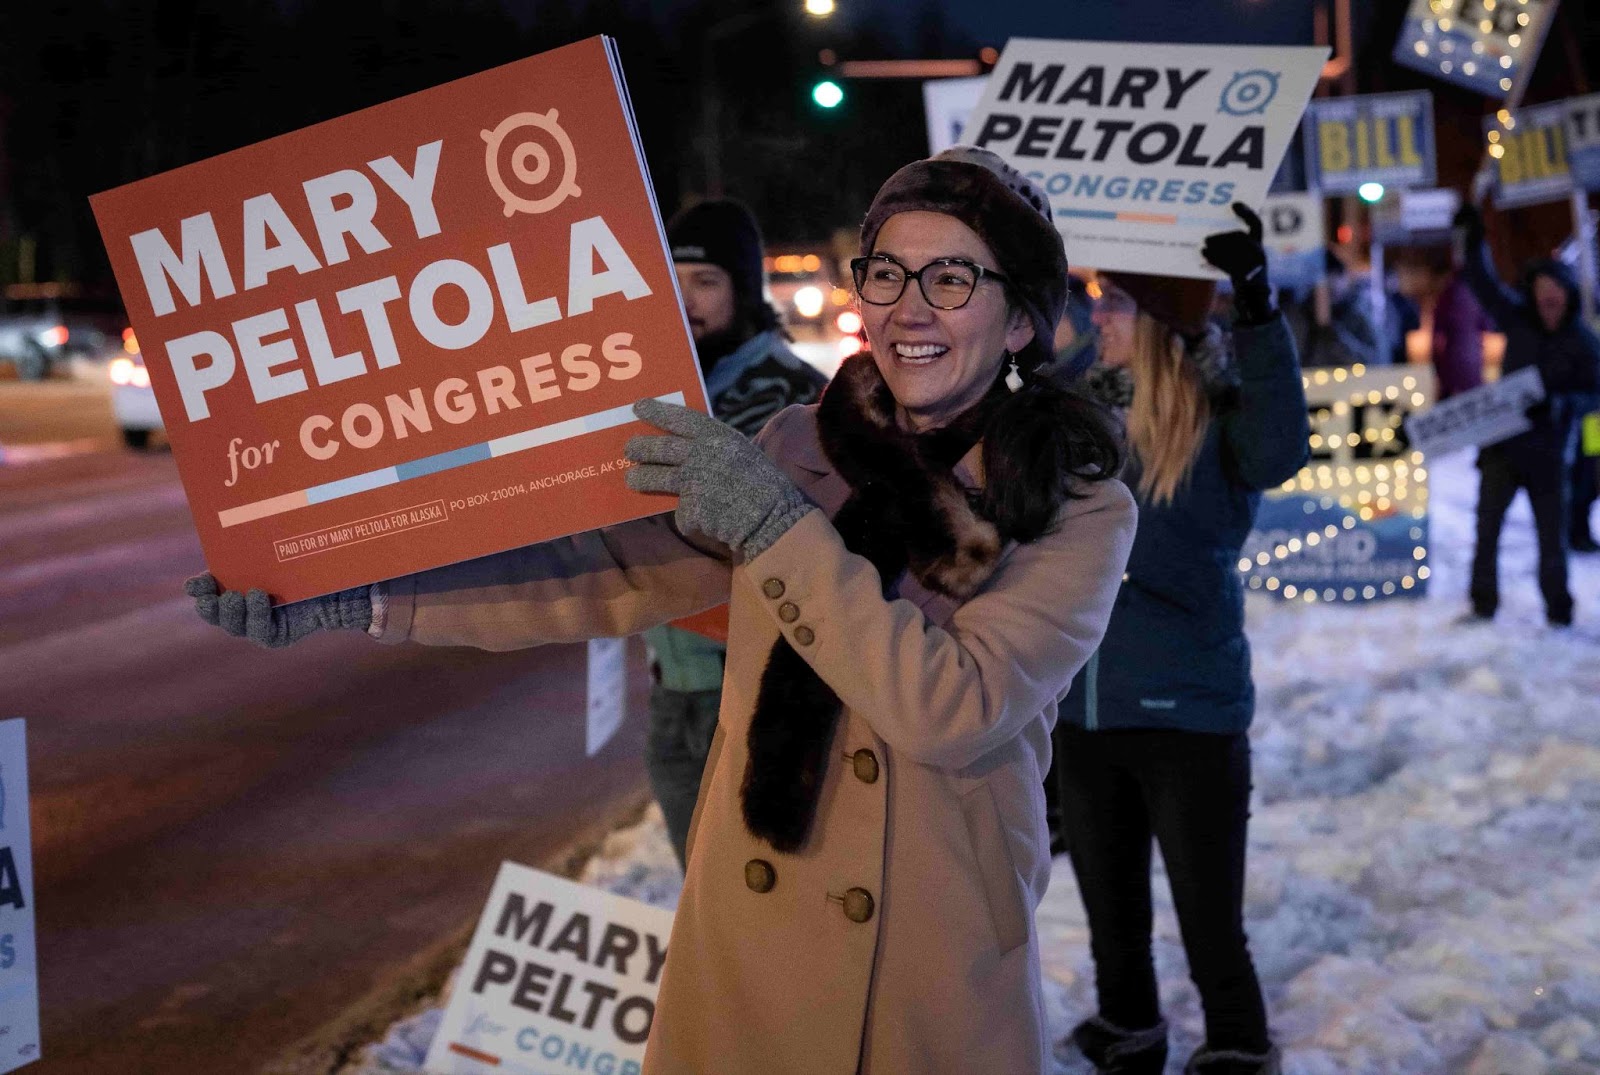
231 845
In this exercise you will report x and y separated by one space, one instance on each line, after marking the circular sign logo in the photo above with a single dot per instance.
538 154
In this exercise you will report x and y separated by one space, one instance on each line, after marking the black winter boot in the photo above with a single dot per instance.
1208 1061
1115 1051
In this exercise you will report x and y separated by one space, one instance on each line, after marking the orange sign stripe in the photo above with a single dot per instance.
487 1058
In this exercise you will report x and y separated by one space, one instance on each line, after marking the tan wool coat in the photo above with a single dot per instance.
900 939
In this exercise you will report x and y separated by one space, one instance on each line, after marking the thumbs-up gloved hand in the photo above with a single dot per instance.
251 615
727 488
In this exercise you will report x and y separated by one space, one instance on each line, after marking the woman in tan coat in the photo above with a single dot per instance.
916 568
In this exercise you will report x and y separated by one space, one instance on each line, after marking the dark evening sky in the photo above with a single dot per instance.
992 21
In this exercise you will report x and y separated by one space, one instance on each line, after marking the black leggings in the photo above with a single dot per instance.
1500 476
1190 792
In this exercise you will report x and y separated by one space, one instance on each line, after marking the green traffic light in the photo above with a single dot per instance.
1371 192
827 94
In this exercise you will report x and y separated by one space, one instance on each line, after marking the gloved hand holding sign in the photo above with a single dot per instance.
727 488
251 615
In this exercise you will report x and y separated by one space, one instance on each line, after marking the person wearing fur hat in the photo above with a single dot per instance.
1151 744
916 568
751 374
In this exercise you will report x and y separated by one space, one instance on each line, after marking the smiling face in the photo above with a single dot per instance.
938 363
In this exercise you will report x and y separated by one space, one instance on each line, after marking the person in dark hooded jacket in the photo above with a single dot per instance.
1543 330
1151 742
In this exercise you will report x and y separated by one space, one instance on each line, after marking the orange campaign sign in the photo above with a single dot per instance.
412 335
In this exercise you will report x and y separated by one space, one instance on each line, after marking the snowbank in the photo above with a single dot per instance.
1425 844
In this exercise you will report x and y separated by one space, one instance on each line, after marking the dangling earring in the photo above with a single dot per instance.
1014 378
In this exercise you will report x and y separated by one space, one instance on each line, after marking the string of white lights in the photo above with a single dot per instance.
1440 43
1365 491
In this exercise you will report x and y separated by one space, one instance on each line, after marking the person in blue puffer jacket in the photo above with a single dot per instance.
1151 742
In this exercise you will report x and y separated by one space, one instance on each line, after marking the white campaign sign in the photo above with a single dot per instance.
559 978
1142 147
1583 140
1416 217
1480 416
948 102
608 691
19 965
1292 232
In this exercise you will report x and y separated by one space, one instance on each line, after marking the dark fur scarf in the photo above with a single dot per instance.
906 512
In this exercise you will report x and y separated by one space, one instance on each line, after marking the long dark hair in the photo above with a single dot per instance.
1036 442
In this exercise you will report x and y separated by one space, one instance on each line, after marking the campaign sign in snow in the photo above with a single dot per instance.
1292 231
1483 45
1141 148
1352 526
1529 149
1484 415
1583 140
559 978
411 335
19 965
947 103
1375 138
607 694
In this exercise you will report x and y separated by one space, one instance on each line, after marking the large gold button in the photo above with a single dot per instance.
865 764
804 635
759 876
858 905
788 612
773 588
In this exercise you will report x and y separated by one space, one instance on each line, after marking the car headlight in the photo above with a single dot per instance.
809 300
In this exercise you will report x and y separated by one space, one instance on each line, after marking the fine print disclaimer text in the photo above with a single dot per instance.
538 484
331 538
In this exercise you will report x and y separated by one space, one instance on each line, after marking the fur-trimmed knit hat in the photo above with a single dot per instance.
1179 302
1010 213
724 233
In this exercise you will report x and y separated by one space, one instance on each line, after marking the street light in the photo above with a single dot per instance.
819 8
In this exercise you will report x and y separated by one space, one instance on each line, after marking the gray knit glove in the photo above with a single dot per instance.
251 615
727 488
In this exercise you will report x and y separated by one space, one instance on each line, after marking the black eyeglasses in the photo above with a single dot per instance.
947 283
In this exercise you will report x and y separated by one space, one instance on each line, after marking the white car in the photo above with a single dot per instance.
132 399
45 327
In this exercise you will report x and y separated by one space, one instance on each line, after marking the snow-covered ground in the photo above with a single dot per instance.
1424 890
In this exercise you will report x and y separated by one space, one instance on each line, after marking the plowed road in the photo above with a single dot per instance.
233 845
